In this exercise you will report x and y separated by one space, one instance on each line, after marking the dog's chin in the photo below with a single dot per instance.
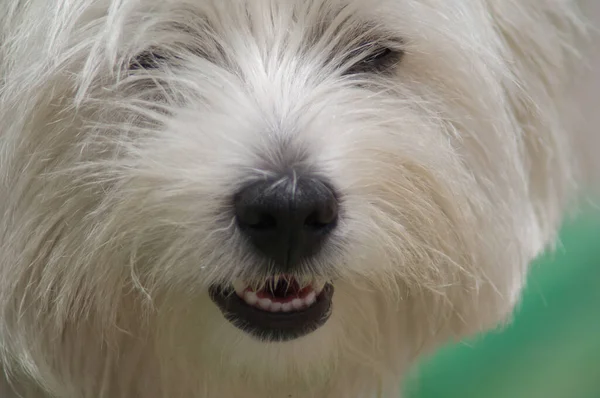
276 311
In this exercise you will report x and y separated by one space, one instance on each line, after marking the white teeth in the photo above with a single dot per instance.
250 298
239 287
267 304
297 303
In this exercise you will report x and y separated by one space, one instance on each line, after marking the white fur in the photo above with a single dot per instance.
455 173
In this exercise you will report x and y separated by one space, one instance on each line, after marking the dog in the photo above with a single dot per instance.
271 198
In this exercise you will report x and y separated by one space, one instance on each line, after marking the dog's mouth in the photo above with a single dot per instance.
280 309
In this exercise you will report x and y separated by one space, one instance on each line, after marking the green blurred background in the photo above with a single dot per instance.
550 350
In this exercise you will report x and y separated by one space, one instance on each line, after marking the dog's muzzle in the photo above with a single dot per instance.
286 221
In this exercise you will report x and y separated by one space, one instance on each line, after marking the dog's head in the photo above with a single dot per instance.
288 180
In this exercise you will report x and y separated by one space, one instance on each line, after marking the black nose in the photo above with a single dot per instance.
287 220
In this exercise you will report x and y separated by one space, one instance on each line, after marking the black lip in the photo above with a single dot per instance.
269 326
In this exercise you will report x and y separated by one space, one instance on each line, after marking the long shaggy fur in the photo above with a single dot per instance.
455 171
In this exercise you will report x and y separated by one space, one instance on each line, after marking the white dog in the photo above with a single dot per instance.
270 198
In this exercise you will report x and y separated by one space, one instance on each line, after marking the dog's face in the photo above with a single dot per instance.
303 162
290 181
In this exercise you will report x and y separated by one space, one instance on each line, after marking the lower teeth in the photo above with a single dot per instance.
276 304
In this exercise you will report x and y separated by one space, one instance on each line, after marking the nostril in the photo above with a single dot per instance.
313 220
261 221
322 218
254 217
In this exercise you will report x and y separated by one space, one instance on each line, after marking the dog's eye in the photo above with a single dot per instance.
381 59
146 60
